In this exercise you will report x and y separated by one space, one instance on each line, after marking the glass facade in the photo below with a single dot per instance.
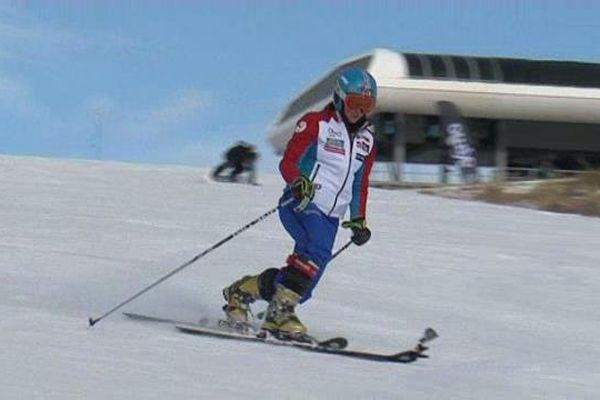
504 70
438 67
424 141
386 131
529 143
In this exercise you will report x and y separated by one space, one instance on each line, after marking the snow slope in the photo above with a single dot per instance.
513 293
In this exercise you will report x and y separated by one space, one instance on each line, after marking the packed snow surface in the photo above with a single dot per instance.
513 293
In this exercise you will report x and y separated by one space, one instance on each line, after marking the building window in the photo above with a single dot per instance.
386 129
473 69
426 65
486 70
461 67
438 67
415 69
553 73
450 70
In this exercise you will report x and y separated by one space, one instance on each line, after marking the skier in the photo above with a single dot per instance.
326 166
239 158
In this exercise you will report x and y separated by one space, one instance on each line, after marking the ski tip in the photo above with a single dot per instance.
406 357
430 334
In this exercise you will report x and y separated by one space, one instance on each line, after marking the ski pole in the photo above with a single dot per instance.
344 247
93 321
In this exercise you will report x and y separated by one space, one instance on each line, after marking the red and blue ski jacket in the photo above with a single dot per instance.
338 164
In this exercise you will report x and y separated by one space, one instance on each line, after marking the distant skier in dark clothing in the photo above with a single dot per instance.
239 158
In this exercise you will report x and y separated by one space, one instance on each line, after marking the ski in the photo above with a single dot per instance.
334 346
305 341
151 318
227 180
206 322
248 331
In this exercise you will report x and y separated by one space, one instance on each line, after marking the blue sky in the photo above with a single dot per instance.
177 82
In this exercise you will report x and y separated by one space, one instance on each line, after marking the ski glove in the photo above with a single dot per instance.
303 190
360 233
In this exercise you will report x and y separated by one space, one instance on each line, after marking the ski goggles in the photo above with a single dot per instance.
359 103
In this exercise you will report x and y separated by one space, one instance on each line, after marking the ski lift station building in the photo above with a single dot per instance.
520 113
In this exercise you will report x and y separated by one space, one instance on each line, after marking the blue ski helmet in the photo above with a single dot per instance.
353 80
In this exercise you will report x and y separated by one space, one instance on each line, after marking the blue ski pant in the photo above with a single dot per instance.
313 233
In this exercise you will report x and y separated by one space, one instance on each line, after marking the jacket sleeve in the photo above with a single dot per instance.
360 187
298 149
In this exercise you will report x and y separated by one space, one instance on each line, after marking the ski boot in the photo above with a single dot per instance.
281 320
243 292
239 295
